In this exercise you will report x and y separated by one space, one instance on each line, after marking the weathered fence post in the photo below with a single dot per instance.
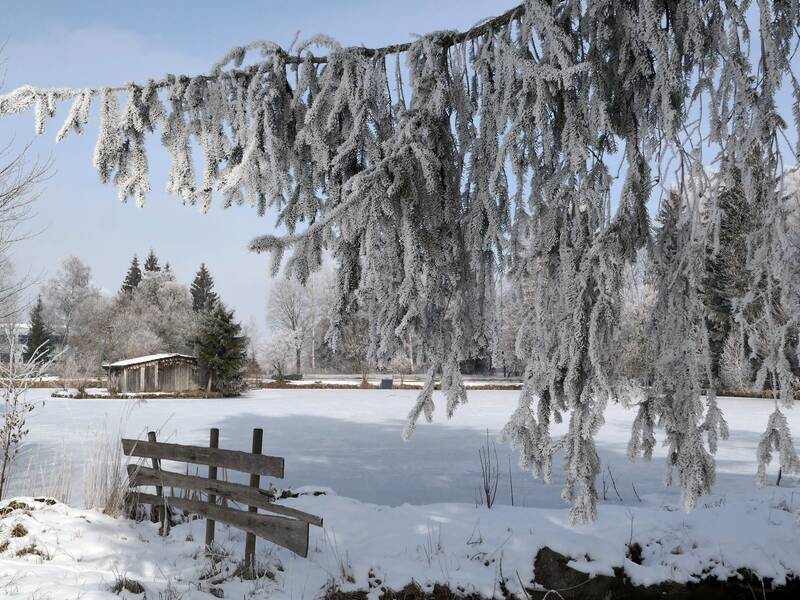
250 540
159 512
284 525
212 499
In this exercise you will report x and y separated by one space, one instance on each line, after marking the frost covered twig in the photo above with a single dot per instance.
499 158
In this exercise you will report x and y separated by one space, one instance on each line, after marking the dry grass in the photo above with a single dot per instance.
121 582
52 480
105 475
31 550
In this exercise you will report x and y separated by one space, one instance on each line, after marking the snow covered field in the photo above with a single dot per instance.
403 510
350 440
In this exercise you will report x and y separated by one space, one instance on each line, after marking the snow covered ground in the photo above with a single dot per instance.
403 510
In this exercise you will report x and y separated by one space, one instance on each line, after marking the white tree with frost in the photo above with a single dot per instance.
488 150
64 293
289 309
777 438
276 352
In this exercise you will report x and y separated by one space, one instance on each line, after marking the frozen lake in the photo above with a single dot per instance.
350 440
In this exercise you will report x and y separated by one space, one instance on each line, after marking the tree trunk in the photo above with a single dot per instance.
313 344
410 352
208 385
297 361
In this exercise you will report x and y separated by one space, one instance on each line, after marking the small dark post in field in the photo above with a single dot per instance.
212 499
250 540
159 512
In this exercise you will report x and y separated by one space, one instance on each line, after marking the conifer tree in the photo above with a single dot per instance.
203 294
38 344
151 264
681 344
133 277
492 148
222 350
726 278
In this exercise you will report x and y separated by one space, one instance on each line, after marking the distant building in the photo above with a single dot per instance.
168 372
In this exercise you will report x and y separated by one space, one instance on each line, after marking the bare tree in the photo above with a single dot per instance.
288 310
64 293
16 377
354 344
19 183
275 352
401 363
320 294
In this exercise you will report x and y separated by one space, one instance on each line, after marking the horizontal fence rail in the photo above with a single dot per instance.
287 527
286 532
272 466
140 475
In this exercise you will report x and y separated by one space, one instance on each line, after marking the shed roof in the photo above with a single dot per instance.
139 360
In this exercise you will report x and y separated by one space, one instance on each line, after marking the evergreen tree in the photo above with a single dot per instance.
151 264
222 350
412 192
38 343
133 277
726 278
203 293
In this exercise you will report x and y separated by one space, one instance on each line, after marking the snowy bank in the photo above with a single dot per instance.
52 550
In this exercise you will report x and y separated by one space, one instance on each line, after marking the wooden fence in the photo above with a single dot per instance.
287 527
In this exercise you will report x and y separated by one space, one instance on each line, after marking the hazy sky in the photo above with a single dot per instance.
96 43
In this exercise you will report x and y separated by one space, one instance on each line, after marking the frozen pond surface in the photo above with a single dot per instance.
350 440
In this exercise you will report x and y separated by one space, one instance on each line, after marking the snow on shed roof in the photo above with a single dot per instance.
129 362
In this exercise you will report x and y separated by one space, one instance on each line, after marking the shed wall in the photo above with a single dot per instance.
174 377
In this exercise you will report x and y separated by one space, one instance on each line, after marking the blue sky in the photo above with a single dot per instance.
94 43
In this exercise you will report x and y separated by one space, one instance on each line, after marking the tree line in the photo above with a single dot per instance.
151 313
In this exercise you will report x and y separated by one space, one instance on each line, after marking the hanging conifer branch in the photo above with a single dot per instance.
494 150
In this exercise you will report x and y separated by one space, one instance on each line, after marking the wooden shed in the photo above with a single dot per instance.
168 372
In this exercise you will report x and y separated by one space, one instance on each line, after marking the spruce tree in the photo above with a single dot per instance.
497 142
726 278
151 264
38 344
203 294
222 350
133 277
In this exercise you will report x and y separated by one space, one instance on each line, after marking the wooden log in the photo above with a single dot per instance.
288 533
244 494
236 460
250 539
212 474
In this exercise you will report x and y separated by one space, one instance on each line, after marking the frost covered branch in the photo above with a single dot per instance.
493 153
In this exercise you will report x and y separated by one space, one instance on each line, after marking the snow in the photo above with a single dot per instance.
454 544
403 510
146 359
